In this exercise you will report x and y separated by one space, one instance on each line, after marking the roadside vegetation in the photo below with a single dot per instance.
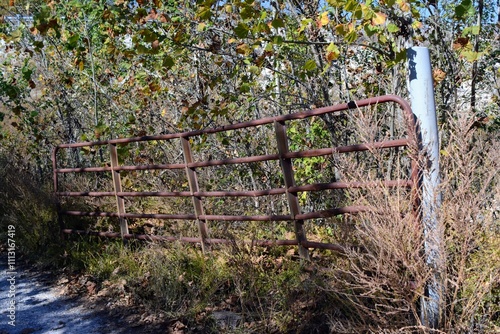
89 70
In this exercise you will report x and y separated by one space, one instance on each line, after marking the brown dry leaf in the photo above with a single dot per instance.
163 18
177 328
460 43
91 287
438 75
153 14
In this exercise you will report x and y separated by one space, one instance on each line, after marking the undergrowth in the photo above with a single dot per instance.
376 287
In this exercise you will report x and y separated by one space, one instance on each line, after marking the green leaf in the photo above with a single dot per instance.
465 8
473 30
247 12
73 41
14 36
303 24
337 3
148 35
26 72
241 30
310 65
351 37
204 12
254 70
351 5
392 28
278 23
168 61
278 40
245 88
141 49
261 27
371 30
470 55
38 45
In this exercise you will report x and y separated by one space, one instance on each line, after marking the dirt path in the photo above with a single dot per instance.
30 302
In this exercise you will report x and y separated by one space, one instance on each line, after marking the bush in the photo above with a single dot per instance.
27 204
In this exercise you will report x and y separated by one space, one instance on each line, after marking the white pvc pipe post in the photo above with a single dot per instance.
423 106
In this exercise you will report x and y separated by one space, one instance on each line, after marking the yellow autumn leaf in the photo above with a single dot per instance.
379 18
201 26
243 49
323 20
405 6
416 25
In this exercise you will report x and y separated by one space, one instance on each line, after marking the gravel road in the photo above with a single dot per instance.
31 303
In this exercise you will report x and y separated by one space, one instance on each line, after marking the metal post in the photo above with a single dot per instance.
423 105
193 186
56 190
117 185
293 201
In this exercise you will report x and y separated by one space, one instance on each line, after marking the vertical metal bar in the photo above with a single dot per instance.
293 201
56 190
117 185
193 186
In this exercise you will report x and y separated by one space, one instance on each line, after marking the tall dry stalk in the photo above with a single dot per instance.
470 213
381 282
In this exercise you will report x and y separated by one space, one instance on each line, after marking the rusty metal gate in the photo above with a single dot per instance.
190 166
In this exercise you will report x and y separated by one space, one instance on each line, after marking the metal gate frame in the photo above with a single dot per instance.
284 156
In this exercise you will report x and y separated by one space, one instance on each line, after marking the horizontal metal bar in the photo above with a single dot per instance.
129 215
304 154
83 169
182 239
320 245
303 216
253 193
348 149
263 121
247 218
257 158
347 185
264 243
126 193
130 236
119 168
